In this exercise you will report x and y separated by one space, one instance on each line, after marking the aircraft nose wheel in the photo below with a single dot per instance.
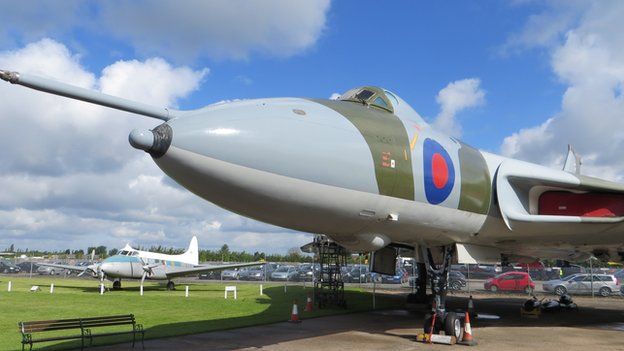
117 285
448 322
170 285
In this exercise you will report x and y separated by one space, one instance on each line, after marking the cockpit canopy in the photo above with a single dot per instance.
371 96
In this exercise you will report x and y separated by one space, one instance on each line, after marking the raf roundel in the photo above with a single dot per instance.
439 173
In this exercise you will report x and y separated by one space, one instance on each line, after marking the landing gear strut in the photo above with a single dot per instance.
170 285
447 321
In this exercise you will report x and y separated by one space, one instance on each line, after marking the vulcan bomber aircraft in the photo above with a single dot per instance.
370 173
130 263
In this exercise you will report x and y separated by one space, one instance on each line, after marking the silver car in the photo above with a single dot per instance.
604 284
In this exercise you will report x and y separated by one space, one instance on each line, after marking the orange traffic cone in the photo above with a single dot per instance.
467 339
294 316
309 307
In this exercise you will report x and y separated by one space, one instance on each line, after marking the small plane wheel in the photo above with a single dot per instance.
170 285
116 285
453 325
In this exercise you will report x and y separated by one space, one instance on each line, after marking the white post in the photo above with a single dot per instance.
186 292
9 287
235 297
141 290
101 288
51 288
261 289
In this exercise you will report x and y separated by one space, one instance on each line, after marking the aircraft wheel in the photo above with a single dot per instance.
560 290
116 285
170 285
452 325
604 291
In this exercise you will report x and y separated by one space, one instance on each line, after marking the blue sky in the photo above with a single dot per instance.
522 78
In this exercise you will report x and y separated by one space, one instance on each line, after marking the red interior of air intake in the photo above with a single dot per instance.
563 203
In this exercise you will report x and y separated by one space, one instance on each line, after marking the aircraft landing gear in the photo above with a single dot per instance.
170 285
447 321
117 284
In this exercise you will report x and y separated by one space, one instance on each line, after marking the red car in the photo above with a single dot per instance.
510 281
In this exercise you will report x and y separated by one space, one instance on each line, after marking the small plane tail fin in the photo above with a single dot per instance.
192 253
572 162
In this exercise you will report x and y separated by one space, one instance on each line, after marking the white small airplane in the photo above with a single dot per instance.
136 264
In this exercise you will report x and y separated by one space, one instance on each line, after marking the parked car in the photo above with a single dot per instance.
474 271
46 270
359 274
510 281
8 267
307 271
26 267
401 276
619 276
211 275
230 274
456 280
604 284
254 273
287 273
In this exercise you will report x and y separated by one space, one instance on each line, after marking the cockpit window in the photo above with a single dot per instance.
123 253
364 95
380 102
134 253
370 96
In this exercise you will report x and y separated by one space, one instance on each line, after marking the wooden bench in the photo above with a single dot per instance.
85 325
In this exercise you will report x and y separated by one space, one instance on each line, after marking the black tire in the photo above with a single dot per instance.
52 272
560 290
604 291
494 288
528 290
427 323
456 285
453 325
170 285
116 285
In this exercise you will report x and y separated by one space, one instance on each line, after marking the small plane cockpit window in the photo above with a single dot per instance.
123 253
134 253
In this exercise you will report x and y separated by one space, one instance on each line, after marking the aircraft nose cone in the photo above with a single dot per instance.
141 139
156 142
106 267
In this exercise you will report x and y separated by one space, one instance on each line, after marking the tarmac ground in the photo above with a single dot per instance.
597 325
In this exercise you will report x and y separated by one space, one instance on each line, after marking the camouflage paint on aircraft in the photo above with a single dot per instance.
388 143
476 185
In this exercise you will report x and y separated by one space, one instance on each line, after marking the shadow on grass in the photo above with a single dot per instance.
278 309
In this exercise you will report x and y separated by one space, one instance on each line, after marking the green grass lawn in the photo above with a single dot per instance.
162 313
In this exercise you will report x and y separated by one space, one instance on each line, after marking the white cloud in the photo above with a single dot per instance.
219 29
589 59
69 179
455 97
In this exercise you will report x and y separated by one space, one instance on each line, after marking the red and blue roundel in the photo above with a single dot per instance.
439 173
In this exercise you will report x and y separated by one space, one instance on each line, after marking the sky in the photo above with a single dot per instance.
520 78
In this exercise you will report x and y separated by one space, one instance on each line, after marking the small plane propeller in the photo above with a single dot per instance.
93 268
